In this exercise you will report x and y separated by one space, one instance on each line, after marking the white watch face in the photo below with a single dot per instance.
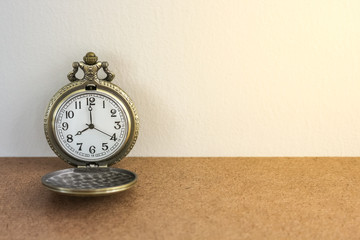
91 126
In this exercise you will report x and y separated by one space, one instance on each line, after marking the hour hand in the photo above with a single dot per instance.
80 132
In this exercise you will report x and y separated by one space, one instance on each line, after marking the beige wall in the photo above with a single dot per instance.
209 78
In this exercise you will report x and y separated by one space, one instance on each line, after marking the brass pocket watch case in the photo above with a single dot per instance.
91 124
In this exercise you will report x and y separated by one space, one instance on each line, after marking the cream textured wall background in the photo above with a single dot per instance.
209 77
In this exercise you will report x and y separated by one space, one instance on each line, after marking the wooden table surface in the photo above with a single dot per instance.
190 198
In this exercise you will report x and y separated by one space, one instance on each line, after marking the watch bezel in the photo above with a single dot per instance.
80 86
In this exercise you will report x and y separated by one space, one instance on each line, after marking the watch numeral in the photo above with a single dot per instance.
118 126
78 105
105 146
69 114
92 149
113 137
103 104
69 138
90 101
113 112
65 126
80 145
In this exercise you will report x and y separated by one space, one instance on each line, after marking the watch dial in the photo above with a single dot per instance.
91 126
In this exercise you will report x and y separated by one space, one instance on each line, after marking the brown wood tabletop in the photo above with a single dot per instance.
190 198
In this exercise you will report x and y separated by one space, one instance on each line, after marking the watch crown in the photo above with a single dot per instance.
90 66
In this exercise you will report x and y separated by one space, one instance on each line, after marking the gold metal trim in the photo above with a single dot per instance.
102 86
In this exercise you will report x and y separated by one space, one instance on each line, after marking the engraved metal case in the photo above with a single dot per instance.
90 178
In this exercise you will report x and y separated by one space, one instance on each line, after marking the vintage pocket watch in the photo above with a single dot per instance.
91 124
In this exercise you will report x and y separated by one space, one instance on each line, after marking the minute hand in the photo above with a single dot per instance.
90 109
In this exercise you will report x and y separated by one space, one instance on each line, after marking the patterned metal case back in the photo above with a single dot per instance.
89 181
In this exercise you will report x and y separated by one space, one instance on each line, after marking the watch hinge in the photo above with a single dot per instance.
92 165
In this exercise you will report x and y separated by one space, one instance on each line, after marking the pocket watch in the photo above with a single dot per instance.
91 124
